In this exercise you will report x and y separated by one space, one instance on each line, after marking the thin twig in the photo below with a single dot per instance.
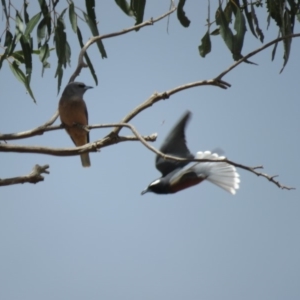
244 58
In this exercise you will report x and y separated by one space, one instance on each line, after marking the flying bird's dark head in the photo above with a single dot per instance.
158 186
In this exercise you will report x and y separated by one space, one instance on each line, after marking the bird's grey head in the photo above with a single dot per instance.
75 90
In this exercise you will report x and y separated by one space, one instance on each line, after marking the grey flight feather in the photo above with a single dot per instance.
174 144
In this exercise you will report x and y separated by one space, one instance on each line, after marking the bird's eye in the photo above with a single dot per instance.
81 85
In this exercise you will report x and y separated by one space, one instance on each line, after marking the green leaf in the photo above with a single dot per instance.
22 78
41 30
68 54
55 2
26 16
26 48
240 28
4 8
43 56
44 7
8 41
63 50
257 28
44 52
215 32
90 18
90 8
225 31
286 30
60 39
275 8
19 56
228 11
31 24
249 17
93 27
275 48
19 27
73 16
88 61
205 46
184 21
46 14
125 7
9 44
17 72
59 74
138 8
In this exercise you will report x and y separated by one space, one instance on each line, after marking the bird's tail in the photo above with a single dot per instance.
222 174
85 160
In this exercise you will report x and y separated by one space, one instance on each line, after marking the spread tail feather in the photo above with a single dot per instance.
85 160
222 174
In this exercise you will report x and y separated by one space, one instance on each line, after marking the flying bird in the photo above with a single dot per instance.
178 175
74 116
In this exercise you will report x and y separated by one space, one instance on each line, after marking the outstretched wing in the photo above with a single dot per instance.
174 144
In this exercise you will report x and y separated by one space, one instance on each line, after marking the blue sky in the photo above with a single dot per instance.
89 234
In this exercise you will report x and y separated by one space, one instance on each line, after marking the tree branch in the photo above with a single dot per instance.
91 147
81 64
166 95
244 58
114 139
33 177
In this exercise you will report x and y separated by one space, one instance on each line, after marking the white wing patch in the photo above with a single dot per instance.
155 182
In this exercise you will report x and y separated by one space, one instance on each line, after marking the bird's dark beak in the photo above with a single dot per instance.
88 87
145 191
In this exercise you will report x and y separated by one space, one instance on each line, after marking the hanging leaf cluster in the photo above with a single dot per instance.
236 13
46 30
19 46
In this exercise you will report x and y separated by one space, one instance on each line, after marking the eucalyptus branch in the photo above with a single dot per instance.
166 95
33 177
244 58
81 64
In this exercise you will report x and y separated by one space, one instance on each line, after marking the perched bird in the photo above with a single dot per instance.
74 116
177 175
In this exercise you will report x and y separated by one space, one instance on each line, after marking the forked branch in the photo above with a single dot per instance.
114 139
